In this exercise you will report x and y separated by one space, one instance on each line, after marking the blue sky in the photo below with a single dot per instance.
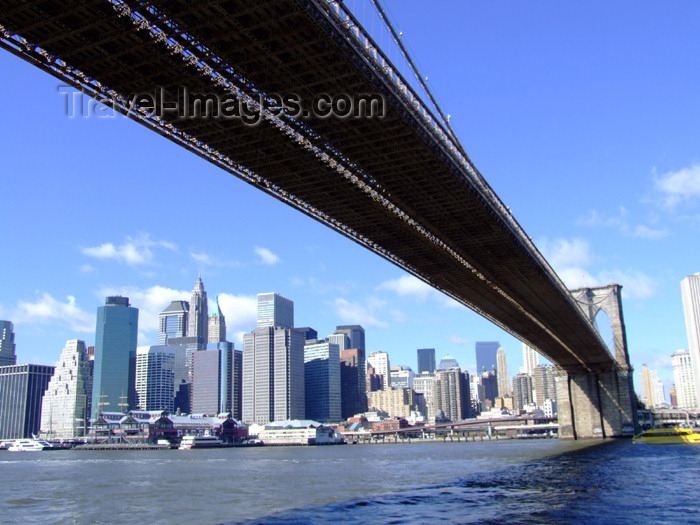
583 117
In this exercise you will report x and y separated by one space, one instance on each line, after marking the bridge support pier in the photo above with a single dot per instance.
595 405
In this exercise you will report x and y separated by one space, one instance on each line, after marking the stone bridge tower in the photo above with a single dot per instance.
601 404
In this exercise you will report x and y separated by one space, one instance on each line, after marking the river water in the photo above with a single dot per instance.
514 481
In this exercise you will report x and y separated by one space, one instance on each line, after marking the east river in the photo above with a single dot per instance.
514 481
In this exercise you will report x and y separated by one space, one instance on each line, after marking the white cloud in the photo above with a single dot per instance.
355 313
408 285
635 284
86 268
208 260
564 253
455 339
679 186
47 309
644 232
266 256
134 252
571 259
597 219
240 311
150 302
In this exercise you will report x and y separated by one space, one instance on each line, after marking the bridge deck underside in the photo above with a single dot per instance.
285 46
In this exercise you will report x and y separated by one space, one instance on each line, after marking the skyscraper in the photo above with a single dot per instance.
544 383
273 375
322 381
155 377
7 344
353 386
426 360
22 388
217 325
401 377
502 373
380 362
486 355
275 310
522 391
115 357
424 383
530 360
198 322
649 378
448 362
65 409
184 348
172 322
216 379
683 376
452 393
342 340
690 290
355 333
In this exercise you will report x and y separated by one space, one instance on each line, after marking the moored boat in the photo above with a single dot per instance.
29 445
200 442
670 434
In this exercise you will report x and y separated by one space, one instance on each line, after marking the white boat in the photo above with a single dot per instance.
29 445
200 442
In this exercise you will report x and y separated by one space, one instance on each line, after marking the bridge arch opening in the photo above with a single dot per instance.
603 324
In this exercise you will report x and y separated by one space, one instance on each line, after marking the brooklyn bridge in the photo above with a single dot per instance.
396 181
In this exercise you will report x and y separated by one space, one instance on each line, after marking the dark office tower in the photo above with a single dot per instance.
172 322
355 333
374 380
322 382
184 348
199 313
353 386
7 344
114 377
22 388
490 383
426 360
308 333
216 380
486 355
217 325
522 392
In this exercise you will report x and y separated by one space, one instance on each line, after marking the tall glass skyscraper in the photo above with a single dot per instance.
275 310
426 360
690 290
7 344
199 313
173 321
486 355
115 357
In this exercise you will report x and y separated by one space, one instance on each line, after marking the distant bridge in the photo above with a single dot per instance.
400 185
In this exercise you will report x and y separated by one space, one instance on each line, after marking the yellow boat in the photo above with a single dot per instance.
670 434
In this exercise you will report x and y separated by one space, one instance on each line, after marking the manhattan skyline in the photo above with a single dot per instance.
592 142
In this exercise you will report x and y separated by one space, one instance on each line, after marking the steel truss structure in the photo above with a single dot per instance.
400 185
